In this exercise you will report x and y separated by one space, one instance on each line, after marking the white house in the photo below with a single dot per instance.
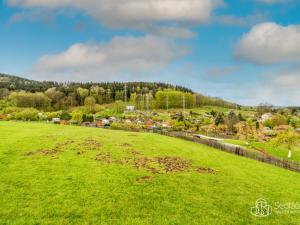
265 117
56 120
129 108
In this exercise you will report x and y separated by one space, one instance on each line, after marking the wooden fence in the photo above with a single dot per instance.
237 150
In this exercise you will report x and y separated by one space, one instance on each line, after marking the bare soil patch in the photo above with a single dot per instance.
28 153
51 152
48 151
206 170
90 144
105 157
126 145
163 164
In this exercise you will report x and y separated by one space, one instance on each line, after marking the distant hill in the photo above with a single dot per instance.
18 83
15 83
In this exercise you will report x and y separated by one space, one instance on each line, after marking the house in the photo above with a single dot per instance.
105 122
265 117
165 125
56 120
128 121
112 119
149 123
129 108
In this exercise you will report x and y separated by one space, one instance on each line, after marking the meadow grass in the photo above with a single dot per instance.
50 175
281 152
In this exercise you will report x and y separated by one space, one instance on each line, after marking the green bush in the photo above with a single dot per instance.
64 115
87 118
77 117
51 115
27 114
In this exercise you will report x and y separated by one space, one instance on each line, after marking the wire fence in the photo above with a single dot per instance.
230 148
237 150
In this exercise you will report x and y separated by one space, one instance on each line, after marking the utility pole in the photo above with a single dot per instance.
183 102
147 102
125 94
167 100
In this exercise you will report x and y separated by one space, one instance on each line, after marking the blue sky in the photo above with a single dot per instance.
246 51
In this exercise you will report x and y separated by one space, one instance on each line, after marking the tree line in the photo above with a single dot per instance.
48 95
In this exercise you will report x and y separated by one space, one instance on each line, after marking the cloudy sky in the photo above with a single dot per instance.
246 51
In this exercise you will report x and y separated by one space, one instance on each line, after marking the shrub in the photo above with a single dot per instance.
87 118
269 123
51 115
64 115
27 114
77 117
119 106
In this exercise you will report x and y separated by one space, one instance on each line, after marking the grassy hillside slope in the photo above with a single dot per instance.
73 175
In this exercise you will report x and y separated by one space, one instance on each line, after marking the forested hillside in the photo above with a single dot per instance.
49 95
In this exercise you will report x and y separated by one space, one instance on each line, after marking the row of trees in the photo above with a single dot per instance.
54 99
69 94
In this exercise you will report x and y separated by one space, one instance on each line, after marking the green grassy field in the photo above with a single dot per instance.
280 152
54 174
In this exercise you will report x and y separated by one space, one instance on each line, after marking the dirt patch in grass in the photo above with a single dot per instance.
90 144
163 164
66 143
125 161
28 153
126 145
48 152
154 165
105 157
144 179
205 170
132 152
51 152
173 164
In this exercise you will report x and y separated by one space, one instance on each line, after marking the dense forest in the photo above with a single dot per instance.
50 95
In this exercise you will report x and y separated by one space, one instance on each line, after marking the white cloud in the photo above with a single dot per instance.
269 43
168 18
134 13
109 61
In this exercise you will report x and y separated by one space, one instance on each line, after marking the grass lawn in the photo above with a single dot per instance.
280 152
54 174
